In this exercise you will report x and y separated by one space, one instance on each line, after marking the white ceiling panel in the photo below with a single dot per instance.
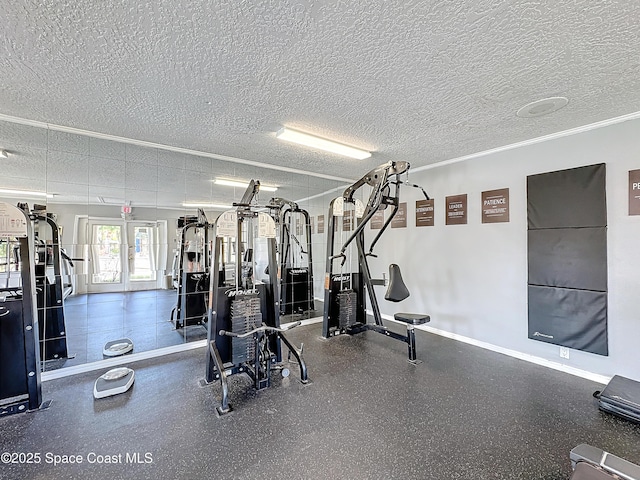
172 180
99 147
106 172
63 166
140 176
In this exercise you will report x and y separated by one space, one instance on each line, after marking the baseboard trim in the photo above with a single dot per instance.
138 357
603 379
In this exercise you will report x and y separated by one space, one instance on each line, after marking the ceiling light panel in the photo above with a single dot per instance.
235 183
25 193
206 205
324 144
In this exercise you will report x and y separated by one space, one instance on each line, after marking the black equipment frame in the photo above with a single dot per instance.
385 183
20 381
50 296
268 336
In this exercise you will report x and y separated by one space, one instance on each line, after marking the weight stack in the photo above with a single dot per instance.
245 315
347 308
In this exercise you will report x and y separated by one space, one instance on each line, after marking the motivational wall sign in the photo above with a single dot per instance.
456 209
312 223
424 213
377 221
320 223
400 220
495 206
634 192
347 221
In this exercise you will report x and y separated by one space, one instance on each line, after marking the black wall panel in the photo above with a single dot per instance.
572 318
567 258
567 198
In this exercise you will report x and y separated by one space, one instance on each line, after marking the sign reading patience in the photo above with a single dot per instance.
377 221
456 208
320 223
424 213
400 220
495 206
634 192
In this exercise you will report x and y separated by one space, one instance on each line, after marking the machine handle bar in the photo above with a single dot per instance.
263 328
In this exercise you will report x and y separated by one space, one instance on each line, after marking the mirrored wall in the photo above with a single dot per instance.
116 211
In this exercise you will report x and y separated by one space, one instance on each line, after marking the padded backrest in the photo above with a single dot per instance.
397 290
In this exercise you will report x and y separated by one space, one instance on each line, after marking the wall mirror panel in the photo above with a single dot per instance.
119 211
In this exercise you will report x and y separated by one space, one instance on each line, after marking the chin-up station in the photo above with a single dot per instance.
244 332
344 301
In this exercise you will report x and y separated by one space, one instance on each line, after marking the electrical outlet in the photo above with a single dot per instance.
564 352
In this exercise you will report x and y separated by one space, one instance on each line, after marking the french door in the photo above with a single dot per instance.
123 255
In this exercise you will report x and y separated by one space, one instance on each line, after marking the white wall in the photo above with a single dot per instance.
472 279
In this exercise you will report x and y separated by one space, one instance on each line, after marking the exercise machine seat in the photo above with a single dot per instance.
586 471
593 463
412 318
397 290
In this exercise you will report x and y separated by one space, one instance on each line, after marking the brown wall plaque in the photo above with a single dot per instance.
424 213
456 208
377 221
320 223
634 192
347 221
400 220
495 206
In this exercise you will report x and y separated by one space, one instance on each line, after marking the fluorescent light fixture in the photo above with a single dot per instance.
26 193
207 205
235 183
321 143
4 154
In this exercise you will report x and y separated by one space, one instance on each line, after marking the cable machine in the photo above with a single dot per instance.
51 289
344 300
244 332
294 256
20 388
190 276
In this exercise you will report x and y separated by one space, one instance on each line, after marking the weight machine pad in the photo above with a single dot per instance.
586 471
412 318
103 388
115 348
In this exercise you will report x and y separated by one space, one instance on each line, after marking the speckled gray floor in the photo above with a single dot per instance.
465 413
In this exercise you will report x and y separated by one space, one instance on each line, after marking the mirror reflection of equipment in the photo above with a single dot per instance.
191 275
53 270
20 387
294 256
244 331
344 301
115 348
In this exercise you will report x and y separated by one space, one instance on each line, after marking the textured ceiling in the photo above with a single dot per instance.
422 81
